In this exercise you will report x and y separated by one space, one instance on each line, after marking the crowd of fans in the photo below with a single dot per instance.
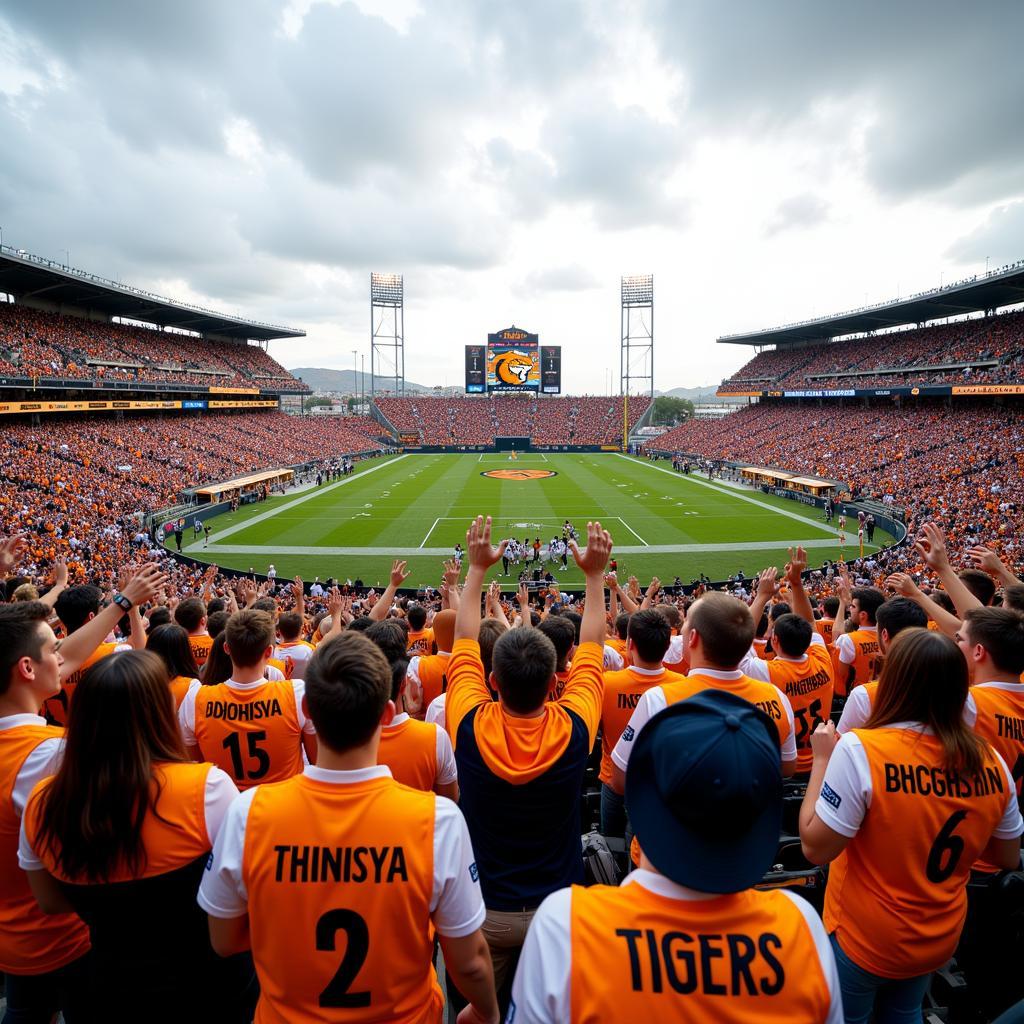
39 344
555 420
895 360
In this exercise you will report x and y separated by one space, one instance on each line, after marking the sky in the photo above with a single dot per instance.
765 162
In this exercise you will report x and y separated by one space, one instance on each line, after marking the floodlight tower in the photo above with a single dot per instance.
636 351
387 330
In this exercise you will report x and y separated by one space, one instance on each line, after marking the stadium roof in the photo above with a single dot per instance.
1001 287
28 277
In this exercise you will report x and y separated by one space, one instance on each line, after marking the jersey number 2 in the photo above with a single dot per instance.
357 946
233 744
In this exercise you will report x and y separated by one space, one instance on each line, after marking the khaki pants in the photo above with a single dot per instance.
505 932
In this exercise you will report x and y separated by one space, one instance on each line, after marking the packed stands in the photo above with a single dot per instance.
985 351
35 343
962 465
563 420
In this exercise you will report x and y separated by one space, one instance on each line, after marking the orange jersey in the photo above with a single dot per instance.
350 868
866 662
173 830
619 647
410 751
179 687
432 670
761 647
622 691
1000 722
640 955
901 916
808 685
31 942
421 642
823 627
765 696
254 735
561 678
56 708
200 645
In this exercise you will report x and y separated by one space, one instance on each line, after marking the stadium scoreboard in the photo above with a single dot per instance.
513 362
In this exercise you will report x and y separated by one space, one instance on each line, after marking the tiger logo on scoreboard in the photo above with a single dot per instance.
511 367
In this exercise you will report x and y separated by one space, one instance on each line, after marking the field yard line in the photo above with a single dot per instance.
634 549
231 530
430 531
632 531
741 497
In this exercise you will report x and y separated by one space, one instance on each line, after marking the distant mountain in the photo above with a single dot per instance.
347 381
699 395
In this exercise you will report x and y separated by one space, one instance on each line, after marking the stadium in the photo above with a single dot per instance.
327 695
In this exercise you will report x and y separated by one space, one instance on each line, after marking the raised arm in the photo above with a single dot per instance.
988 561
652 593
902 583
931 546
300 596
800 603
383 606
766 587
481 556
80 644
494 609
60 582
612 583
592 561
523 597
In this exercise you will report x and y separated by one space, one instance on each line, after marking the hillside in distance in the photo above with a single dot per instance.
347 381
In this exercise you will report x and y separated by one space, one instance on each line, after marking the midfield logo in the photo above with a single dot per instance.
519 474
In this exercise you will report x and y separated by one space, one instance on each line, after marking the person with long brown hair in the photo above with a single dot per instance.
171 642
903 807
121 834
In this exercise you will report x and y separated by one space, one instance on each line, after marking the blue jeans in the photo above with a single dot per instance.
613 812
893 1000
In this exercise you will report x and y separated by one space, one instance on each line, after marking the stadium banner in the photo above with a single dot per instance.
243 404
513 361
409 437
476 369
8 408
233 391
988 389
551 369
192 404
738 394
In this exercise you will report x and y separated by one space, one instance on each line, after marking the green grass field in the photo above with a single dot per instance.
417 507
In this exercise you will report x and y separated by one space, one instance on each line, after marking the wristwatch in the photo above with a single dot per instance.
122 602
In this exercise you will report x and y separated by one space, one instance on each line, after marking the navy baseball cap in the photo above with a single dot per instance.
704 792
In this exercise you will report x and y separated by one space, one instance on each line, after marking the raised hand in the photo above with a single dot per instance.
398 573
452 569
796 566
653 588
902 584
145 584
60 573
11 550
480 554
931 546
767 582
986 560
593 559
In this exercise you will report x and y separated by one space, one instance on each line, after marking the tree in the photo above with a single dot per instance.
669 411
315 401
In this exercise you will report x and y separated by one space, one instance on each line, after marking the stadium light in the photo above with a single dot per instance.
637 289
386 289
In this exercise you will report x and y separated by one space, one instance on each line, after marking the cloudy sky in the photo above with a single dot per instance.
512 158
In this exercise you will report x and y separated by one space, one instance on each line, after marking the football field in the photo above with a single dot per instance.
417 507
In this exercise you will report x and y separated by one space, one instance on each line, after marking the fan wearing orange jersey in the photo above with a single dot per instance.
917 780
171 643
43 957
426 674
717 634
251 727
892 617
419 754
648 636
687 937
291 647
562 634
992 641
363 869
75 607
421 639
825 626
858 653
190 614
121 834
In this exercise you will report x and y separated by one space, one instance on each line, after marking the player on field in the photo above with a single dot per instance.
338 878
120 835
251 727
686 937
918 780
521 758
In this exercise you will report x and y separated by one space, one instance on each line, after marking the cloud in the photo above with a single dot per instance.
570 278
997 239
802 211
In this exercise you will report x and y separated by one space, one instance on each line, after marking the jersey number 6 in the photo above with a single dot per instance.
949 846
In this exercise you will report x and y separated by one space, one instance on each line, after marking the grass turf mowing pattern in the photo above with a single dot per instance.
424 503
